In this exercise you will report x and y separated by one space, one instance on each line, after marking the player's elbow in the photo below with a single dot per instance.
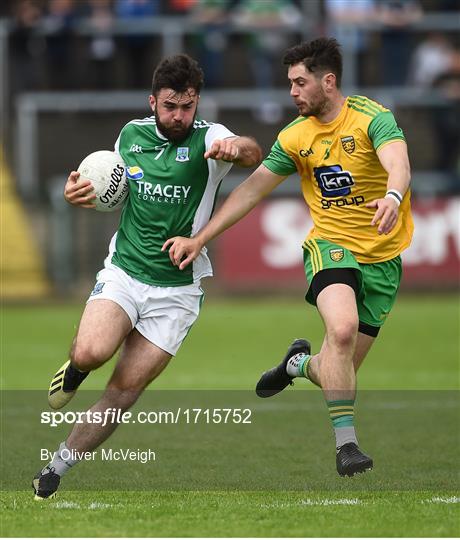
404 169
256 157
408 172
405 173
252 153
405 165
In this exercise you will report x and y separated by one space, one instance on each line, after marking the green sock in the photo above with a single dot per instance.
297 365
342 413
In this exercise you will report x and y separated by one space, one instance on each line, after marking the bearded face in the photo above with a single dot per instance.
307 91
174 112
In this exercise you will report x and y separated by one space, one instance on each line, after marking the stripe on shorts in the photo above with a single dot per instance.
315 254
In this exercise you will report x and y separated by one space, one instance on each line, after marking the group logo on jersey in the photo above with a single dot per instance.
348 144
335 184
182 154
333 181
134 173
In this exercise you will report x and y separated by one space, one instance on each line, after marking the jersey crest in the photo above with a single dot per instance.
182 154
348 144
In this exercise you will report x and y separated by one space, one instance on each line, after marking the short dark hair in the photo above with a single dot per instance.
178 72
318 56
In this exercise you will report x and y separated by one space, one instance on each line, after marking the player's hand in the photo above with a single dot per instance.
386 215
182 251
79 191
224 149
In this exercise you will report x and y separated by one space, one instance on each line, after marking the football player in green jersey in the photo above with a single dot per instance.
141 301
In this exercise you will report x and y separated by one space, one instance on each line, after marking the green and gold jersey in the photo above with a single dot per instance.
340 172
172 192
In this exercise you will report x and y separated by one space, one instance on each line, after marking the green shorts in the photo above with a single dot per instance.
378 283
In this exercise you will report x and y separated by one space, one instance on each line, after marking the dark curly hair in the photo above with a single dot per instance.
318 56
178 72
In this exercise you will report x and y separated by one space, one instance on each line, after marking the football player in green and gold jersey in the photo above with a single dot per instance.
354 168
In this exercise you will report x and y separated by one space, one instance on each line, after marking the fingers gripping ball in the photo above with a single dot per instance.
107 172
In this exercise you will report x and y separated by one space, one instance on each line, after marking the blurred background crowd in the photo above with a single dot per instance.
60 44
74 71
114 44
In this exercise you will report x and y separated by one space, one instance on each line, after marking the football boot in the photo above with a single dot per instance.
64 384
45 484
350 460
277 378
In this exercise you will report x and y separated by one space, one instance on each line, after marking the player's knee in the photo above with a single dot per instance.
87 357
343 334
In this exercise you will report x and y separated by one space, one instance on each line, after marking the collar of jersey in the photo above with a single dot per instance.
159 134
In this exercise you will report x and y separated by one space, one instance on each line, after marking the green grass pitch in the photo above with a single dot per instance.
411 492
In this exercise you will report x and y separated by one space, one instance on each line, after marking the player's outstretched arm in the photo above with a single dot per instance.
79 191
182 251
242 151
395 160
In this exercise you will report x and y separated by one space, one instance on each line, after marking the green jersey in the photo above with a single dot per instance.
172 192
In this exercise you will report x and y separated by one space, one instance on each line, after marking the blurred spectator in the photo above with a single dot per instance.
180 7
265 22
446 122
396 16
102 43
431 59
27 46
136 9
344 18
137 45
58 23
212 18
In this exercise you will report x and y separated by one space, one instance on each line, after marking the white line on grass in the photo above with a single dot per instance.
314 502
92 506
444 500
66 504
97 506
331 502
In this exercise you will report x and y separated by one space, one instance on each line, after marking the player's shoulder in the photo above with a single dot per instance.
295 125
199 123
211 129
365 106
139 124
288 137
207 132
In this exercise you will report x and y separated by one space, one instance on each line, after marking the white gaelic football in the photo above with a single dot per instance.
107 172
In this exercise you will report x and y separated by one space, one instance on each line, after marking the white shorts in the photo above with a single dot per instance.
163 315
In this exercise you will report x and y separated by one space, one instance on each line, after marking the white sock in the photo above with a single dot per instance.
297 365
344 435
62 462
